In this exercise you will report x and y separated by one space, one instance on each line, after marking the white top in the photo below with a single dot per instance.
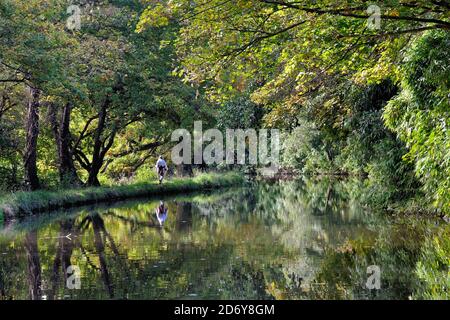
161 216
161 163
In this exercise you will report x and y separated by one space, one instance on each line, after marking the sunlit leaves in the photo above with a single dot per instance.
420 115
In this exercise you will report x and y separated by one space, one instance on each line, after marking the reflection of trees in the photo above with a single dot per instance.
99 231
184 217
307 217
246 281
63 255
34 266
323 219
202 263
395 249
101 238
258 243
135 223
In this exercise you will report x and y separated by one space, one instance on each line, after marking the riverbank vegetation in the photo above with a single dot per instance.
20 204
82 106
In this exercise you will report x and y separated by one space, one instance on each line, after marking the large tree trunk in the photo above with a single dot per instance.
68 171
32 128
101 146
102 143
66 167
96 155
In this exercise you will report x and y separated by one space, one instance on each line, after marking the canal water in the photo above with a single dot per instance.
285 240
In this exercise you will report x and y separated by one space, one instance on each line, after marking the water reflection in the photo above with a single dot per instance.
63 256
34 265
161 213
289 240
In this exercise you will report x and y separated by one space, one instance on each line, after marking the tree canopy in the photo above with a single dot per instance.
335 65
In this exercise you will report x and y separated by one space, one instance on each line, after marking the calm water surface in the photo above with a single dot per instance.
286 240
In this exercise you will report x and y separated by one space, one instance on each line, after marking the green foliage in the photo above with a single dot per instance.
289 49
239 113
105 64
342 131
303 149
10 137
145 174
318 65
420 114
371 150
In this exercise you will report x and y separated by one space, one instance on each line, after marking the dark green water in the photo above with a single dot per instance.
289 240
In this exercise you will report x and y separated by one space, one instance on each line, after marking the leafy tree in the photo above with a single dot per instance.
420 114
33 60
103 92
133 102
308 59
291 49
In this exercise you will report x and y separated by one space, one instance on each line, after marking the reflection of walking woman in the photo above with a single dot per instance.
161 213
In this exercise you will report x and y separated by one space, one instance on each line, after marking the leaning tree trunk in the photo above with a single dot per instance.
101 146
32 129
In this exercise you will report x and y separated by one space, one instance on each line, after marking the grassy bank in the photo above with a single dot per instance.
26 203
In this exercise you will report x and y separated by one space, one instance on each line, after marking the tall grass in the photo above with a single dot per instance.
26 203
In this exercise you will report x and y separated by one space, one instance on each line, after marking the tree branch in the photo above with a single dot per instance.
349 12
83 132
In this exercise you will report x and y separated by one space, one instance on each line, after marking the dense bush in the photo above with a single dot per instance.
420 114
352 139
303 149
